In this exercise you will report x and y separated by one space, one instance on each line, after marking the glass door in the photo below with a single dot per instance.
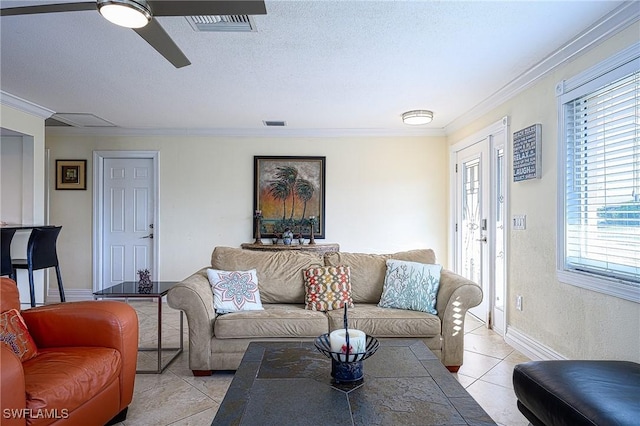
472 198
480 231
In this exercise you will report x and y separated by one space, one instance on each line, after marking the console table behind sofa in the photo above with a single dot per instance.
317 248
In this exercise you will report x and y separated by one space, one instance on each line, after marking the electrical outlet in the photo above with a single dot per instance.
519 303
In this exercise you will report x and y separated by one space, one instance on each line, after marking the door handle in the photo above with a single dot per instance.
148 236
483 239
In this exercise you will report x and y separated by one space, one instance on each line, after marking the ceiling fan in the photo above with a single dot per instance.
140 16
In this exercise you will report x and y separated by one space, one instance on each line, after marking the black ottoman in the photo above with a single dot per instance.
573 393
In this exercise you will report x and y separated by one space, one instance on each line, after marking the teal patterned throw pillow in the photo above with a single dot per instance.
411 285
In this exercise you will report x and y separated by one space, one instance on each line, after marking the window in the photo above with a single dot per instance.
599 178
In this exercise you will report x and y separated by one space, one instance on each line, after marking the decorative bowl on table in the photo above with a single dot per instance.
346 366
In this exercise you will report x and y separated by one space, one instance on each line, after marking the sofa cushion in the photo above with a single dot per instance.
386 322
279 273
14 333
411 285
234 290
276 320
368 270
66 377
327 288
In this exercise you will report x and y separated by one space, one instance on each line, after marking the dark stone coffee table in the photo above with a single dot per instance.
289 383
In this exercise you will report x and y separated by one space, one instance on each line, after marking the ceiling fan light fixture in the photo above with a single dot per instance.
417 117
126 13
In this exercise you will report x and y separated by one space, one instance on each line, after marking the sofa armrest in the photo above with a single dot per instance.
12 390
195 298
456 295
108 323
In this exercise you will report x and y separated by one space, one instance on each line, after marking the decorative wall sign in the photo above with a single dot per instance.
71 174
289 194
527 153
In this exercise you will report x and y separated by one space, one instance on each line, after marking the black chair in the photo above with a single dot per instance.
41 254
6 236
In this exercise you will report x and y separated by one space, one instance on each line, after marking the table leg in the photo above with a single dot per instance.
159 349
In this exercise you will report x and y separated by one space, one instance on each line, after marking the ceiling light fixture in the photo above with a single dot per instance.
126 13
417 117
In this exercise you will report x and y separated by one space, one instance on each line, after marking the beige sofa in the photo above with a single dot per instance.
218 342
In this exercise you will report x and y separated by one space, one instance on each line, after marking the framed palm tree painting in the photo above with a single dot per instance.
289 193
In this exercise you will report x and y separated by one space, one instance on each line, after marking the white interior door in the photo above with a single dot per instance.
480 232
127 218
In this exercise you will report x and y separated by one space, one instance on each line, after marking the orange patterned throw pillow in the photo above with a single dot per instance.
14 333
327 288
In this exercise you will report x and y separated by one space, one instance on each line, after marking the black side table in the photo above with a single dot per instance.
129 289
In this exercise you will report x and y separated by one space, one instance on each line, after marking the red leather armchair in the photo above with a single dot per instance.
84 371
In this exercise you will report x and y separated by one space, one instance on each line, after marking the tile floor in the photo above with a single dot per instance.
177 398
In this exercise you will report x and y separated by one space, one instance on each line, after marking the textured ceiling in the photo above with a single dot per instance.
341 66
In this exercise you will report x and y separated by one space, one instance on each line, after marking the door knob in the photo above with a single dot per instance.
148 236
483 239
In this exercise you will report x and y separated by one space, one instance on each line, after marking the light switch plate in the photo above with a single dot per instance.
519 222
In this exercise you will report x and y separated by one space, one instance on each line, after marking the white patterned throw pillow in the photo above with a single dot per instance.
411 285
234 291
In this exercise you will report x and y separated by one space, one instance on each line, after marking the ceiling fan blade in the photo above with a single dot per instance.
201 7
48 8
158 38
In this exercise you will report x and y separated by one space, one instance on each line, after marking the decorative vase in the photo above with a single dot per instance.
144 281
287 237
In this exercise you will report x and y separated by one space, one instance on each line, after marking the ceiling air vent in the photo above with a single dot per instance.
52 122
222 23
269 123
75 119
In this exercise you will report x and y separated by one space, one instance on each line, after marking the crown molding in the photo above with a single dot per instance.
25 106
253 132
608 26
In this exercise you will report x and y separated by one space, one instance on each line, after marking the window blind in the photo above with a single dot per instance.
602 186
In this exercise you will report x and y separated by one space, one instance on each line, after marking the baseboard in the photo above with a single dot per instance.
70 294
530 347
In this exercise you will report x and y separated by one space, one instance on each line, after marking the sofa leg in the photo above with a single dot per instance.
201 373
120 417
453 368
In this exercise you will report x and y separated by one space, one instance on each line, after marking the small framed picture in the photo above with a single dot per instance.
71 174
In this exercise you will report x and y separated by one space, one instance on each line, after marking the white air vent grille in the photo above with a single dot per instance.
223 23
273 123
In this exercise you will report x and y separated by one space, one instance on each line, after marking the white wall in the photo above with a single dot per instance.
32 127
570 321
28 189
11 192
382 195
